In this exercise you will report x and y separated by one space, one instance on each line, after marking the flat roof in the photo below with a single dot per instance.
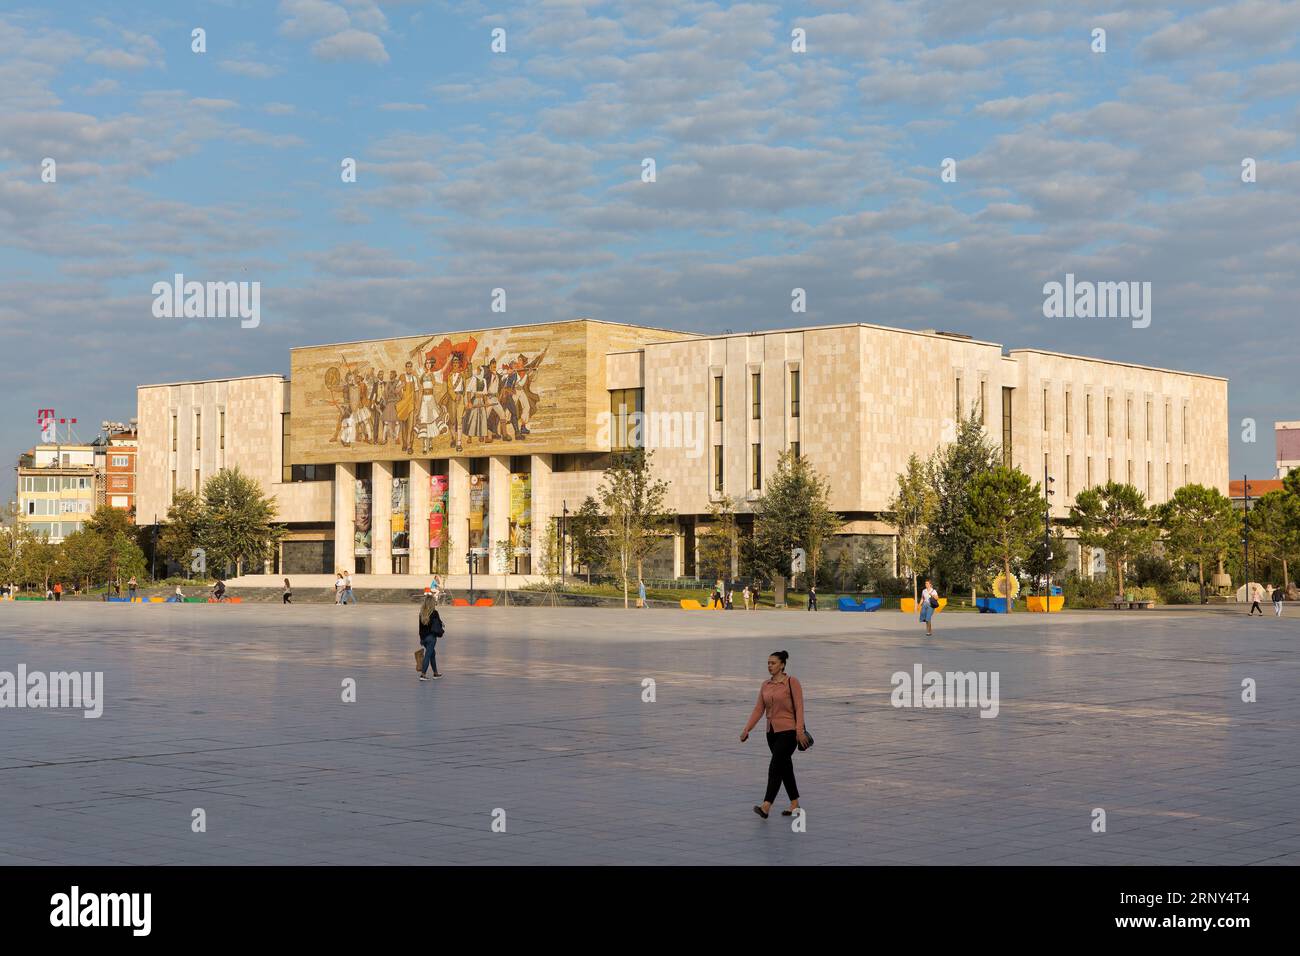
201 381
928 333
1105 361
503 328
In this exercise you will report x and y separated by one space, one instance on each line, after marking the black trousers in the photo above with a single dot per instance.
1254 606
781 769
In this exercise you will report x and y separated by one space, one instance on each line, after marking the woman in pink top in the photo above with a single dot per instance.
781 698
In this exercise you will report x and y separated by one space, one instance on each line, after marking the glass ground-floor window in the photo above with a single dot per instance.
401 564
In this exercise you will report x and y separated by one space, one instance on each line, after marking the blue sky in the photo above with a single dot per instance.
521 170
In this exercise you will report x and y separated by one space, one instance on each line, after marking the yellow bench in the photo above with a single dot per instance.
690 604
1035 603
908 605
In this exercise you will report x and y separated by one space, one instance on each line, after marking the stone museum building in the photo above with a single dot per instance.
432 452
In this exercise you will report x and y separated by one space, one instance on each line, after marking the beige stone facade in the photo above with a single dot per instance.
856 399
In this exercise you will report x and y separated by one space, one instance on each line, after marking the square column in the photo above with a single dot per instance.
457 512
381 517
544 510
498 508
345 505
418 535
679 549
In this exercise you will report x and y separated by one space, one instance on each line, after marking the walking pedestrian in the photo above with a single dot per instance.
349 596
640 593
58 590
1253 590
1278 597
130 588
431 629
715 600
929 603
748 595
755 596
781 698
812 597
287 596
338 587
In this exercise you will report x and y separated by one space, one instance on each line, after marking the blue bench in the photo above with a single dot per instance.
991 605
867 604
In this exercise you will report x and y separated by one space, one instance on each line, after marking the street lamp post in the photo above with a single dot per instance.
1245 521
1048 481
564 537
470 559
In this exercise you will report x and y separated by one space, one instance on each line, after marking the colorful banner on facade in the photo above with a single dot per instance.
480 539
437 509
521 514
399 520
361 519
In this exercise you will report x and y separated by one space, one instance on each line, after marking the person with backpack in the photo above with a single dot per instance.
929 604
431 629
781 698
1278 597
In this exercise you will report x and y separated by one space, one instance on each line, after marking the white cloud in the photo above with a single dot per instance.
356 45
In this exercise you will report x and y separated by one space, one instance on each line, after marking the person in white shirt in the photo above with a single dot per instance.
927 610
338 587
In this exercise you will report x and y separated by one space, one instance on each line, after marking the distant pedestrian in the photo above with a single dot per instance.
219 589
431 629
179 596
640 593
731 593
58 590
338 587
49 593
755 596
287 596
715 600
781 698
1278 597
131 588
748 596
929 604
349 597
1253 590
812 597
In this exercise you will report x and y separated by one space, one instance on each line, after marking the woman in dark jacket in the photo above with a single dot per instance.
430 631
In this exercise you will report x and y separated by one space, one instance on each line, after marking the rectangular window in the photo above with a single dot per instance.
175 429
1130 471
198 487
1186 475
173 484
198 431
984 389
1168 478
286 470
1148 421
1128 419
717 398
1110 417
625 418
1067 412
1087 475
1044 409
1068 488
956 404
1149 480
794 448
121 461
756 395
1167 423
1087 412
794 393
1184 424
717 468
222 440
1006 427
1110 470
1047 468
757 479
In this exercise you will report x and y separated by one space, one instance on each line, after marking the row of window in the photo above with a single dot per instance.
55 483
1130 478
55 529
755 466
56 506
756 395
1148 432
198 429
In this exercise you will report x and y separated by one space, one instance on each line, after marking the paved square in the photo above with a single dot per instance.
238 710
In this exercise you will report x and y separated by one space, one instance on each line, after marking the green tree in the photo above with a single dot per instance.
912 510
83 558
952 470
1275 530
793 512
1038 565
634 512
1003 519
585 535
184 529
719 548
15 538
108 523
549 563
37 561
239 522
1200 526
1115 518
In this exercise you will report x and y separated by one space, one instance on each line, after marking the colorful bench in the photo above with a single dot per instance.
1035 603
459 602
484 602
991 605
908 605
866 604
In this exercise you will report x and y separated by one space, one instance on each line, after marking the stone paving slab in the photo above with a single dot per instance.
237 709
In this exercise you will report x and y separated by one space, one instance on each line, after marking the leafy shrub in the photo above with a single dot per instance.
1143 594
1152 570
1182 592
1087 592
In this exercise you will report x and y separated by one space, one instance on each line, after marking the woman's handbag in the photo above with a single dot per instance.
934 602
806 732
